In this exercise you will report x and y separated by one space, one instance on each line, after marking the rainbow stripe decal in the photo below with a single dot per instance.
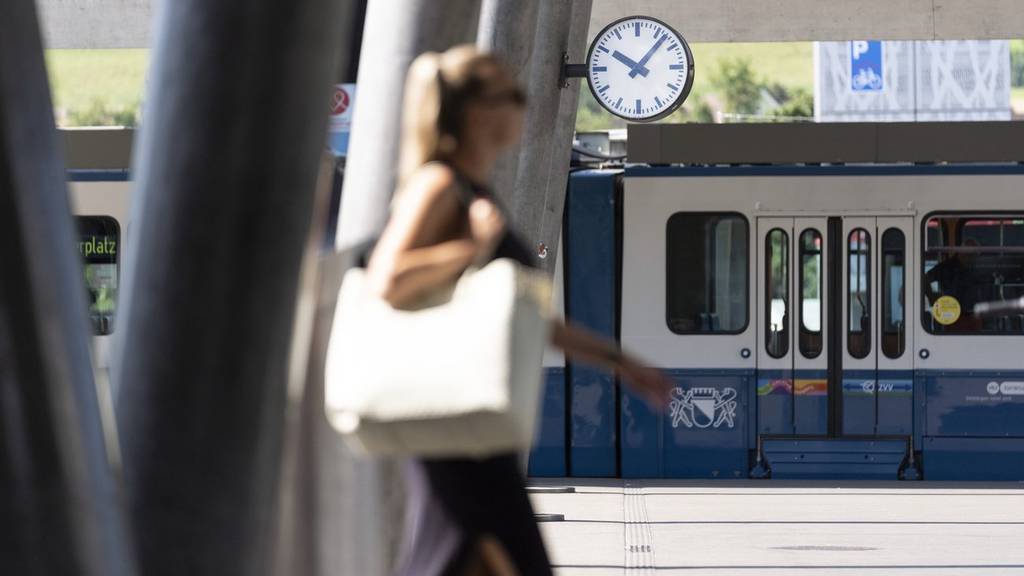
772 386
812 387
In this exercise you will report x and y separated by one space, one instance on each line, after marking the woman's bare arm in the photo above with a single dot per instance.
416 272
407 261
587 347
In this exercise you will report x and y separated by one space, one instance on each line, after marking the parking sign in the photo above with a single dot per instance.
866 72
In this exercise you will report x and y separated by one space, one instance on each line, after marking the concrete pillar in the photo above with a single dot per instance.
542 169
60 507
225 173
507 28
361 501
395 33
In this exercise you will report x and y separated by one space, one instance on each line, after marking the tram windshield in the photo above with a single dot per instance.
99 244
970 259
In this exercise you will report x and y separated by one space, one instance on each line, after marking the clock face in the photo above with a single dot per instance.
639 68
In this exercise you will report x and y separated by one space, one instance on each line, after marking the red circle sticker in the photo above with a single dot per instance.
339 101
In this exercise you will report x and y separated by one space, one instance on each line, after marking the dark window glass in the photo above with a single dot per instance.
893 293
99 243
776 282
706 283
968 260
811 283
858 340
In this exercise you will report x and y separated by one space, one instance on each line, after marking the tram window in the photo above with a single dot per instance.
776 282
99 243
893 293
810 293
858 341
706 281
970 259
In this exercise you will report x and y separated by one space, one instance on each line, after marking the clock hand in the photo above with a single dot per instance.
633 66
640 65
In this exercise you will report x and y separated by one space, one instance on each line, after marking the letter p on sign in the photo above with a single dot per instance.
859 48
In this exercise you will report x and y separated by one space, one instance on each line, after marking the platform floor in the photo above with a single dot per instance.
625 527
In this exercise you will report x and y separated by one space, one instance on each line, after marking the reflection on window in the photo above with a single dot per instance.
99 243
970 259
858 340
706 290
893 293
811 284
776 254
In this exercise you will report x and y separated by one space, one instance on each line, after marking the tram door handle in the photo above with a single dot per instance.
745 353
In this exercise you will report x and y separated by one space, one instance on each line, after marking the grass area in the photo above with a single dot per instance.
96 86
788 63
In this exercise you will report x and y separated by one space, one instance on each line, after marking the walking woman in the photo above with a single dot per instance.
462 109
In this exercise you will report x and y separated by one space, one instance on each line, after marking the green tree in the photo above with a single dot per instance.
799 104
1017 63
736 81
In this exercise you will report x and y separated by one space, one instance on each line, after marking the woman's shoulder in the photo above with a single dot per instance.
429 185
434 175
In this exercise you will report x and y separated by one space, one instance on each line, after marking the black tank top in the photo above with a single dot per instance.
511 245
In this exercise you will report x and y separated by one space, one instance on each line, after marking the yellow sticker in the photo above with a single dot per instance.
946 310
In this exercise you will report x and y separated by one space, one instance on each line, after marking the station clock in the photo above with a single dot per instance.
640 68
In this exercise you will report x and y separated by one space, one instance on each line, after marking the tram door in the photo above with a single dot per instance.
833 346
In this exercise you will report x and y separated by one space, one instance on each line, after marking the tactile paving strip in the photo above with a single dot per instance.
639 538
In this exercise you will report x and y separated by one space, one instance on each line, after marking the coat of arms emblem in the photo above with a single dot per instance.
703 407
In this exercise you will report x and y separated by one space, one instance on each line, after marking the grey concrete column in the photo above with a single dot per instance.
225 171
507 28
395 33
361 501
537 198
60 508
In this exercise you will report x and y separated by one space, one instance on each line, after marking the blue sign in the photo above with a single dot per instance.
866 72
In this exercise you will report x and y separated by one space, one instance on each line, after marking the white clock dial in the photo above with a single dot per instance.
639 68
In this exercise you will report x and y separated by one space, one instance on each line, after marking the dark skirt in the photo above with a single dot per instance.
453 502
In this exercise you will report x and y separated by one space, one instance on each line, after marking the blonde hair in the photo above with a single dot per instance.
437 89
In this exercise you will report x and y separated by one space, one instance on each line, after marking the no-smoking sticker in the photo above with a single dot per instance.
339 101
342 99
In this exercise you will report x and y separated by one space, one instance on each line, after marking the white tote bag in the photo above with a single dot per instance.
457 379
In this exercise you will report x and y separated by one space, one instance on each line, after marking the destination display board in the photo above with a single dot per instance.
99 243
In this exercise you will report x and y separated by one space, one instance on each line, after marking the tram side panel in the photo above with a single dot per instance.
548 456
970 371
591 300
686 291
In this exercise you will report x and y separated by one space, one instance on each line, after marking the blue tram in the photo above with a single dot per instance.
816 319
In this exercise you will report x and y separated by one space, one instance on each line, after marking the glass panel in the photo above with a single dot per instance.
811 288
99 243
776 255
706 283
893 293
859 297
970 259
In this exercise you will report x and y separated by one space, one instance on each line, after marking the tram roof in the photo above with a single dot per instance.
827 143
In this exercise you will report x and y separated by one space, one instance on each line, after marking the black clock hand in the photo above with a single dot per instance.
640 65
633 66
